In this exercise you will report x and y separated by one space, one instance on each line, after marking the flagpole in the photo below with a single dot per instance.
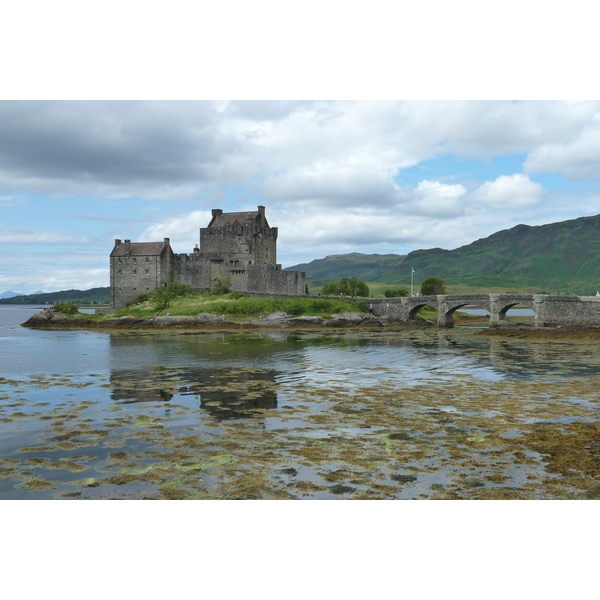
412 272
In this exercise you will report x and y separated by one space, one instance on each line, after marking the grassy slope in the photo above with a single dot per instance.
561 257
369 267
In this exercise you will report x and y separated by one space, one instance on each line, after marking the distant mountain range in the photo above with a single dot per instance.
93 296
557 258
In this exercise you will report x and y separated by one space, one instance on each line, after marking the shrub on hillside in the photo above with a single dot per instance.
139 300
221 285
346 287
66 308
163 295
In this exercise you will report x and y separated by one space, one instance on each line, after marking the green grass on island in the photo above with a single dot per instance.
236 305
233 306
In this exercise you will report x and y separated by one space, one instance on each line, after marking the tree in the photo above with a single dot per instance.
164 294
396 293
221 285
347 287
432 286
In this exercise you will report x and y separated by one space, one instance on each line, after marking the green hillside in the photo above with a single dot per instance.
371 267
80 297
557 258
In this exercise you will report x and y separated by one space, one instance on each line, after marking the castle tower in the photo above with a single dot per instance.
239 239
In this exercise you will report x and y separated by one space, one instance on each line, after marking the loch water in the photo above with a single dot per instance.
411 413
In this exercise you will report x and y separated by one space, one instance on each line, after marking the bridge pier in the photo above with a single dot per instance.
445 316
497 314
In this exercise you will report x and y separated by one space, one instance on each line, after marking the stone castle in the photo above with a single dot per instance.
238 245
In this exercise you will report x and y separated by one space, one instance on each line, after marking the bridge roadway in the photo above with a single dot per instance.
550 311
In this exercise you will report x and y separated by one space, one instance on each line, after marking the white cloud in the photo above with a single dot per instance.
577 159
12 201
50 271
35 237
509 191
333 184
439 199
178 151
183 230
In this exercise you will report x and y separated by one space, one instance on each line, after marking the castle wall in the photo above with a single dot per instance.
271 279
190 269
133 274
201 274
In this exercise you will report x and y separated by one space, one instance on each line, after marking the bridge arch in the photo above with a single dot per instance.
449 304
447 318
415 307
504 305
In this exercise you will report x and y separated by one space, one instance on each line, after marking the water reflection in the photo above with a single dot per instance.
231 374
223 392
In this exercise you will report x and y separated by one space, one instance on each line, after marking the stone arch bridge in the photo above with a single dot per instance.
550 311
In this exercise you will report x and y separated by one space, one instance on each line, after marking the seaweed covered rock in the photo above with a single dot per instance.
50 317
39 318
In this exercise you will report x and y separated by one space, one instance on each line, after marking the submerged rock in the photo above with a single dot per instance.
209 317
121 321
306 320
276 316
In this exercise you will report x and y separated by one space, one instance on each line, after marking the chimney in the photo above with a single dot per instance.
117 242
196 249
216 212
167 241
261 210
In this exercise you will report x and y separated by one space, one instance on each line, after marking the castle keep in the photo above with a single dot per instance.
239 245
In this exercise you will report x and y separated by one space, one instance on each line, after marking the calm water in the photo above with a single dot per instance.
417 413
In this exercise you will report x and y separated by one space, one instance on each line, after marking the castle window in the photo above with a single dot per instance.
135 260
119 272
147 271
147 259
135 272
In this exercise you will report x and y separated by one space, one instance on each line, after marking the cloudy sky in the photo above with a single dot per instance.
335 176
